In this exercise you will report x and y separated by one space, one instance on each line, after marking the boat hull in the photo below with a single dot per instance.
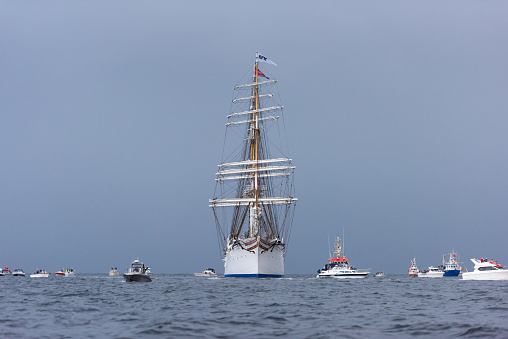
343 275
136 277
254 263
39 275
16 274
486 275
451 273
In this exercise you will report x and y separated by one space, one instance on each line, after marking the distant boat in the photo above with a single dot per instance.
136 272
339 267
209 272
40 274
413 270
18 273
69 272
451 266
379 274
113 272
485 269
431 272
6 271
2 272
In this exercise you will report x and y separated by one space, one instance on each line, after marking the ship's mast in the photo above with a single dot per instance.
254 152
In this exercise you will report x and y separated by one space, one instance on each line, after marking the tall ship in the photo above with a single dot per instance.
254 199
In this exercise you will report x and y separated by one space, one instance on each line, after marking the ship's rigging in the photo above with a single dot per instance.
254 193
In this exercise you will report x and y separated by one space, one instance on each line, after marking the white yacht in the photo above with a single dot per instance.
485 269
379 274
209 272
339 267
431 272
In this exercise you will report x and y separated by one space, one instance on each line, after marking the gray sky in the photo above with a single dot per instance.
112 120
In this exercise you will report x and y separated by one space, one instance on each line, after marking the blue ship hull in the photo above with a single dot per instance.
451 273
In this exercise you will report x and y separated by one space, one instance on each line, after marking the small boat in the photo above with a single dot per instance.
413 270
18 273
113 272
209 272
6 271
2 272
148 271
451 267
40 274
431 272
485 269
379 274
339 267
137 272
69 272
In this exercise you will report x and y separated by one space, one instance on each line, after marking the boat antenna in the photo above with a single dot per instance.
343 242
329 248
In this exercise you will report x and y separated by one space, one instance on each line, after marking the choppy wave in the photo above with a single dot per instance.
298 306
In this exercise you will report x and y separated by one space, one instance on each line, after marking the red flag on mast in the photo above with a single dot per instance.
261 73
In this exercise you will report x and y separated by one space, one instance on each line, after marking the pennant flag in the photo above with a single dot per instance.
261 74
262 58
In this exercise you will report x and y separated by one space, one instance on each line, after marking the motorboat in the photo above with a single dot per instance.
6 271
40 274
431 272
2 272
209 272
413 270
113 272
148 271
339 267
137 272
379 274
485 269
18 273
69 272
451 266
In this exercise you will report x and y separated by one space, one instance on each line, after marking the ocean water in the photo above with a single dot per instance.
297 306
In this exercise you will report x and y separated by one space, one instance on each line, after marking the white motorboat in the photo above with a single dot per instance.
69 272
113 272
339 267
379 274
18 273
254 199
2 272
209 272
148 271
40 274
6 271
136 272
431 272
485 269
413 270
